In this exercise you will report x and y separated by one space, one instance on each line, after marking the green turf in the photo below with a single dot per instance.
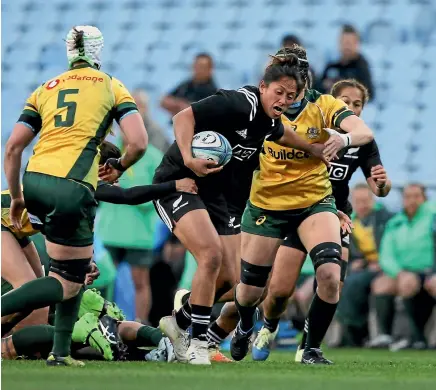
354 370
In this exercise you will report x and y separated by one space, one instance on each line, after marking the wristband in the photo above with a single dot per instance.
347 139
116 163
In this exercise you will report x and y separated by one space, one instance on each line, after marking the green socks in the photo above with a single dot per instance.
385 309
65 318
148 336
33 340
33 295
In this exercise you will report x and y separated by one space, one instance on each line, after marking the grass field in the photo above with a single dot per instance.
354 370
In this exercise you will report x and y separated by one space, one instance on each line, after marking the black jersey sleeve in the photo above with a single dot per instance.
224 110
369 157
277 131
134 195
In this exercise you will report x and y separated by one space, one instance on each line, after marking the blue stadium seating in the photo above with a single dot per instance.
151 43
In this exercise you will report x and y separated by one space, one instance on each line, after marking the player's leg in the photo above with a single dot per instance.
384 290
68 211
187 217
16 270
319 233
287 265
262 232
229 317
32 341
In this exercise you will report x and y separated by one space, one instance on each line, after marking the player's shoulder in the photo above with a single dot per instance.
322 99
244 100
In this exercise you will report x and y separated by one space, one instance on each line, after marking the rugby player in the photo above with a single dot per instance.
207 223
20 260
291 197
72 113
101 325
284 277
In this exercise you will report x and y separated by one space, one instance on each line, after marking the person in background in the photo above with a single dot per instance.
199 86
408 262
351 65
369 222
156 135
127 231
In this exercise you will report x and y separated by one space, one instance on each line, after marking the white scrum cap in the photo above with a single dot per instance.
87 49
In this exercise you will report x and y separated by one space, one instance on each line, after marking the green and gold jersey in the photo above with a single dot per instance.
27 228
290 179
73 113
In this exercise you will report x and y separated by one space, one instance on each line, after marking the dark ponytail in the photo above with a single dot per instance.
284 66
303 63
79 42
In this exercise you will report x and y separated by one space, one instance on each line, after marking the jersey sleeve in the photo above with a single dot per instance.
124 102
30 115
277 131
369 158
222 110
336 111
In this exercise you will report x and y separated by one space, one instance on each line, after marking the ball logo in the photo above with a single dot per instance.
338 171
52 84
209 138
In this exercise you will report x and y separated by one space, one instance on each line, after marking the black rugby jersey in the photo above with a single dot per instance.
239 116
341 171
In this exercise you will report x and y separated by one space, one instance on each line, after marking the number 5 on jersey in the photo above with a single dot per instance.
71 108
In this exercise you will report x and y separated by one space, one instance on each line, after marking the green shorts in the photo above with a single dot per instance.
23 242
282 224
65 207
6 287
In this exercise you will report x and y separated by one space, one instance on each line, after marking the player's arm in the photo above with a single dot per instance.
338 115
207 114
291 139
142 194
372 167
133 129
25 130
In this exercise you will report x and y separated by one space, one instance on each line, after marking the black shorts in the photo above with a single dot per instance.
173 207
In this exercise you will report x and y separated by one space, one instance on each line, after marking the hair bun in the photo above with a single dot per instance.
283 57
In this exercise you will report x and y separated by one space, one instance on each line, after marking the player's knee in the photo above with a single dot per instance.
254 275
326 258
71 273
210 258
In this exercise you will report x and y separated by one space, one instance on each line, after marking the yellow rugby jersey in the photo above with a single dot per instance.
27 228
73 113
288 178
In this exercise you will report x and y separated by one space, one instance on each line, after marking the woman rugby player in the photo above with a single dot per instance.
291 197
204 223
284 278
20 260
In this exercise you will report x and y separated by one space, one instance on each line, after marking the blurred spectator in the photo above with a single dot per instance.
408 262
351 65
127 232
369 222
200 86
156 135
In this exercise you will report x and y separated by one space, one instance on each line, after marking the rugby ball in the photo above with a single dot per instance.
209 145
